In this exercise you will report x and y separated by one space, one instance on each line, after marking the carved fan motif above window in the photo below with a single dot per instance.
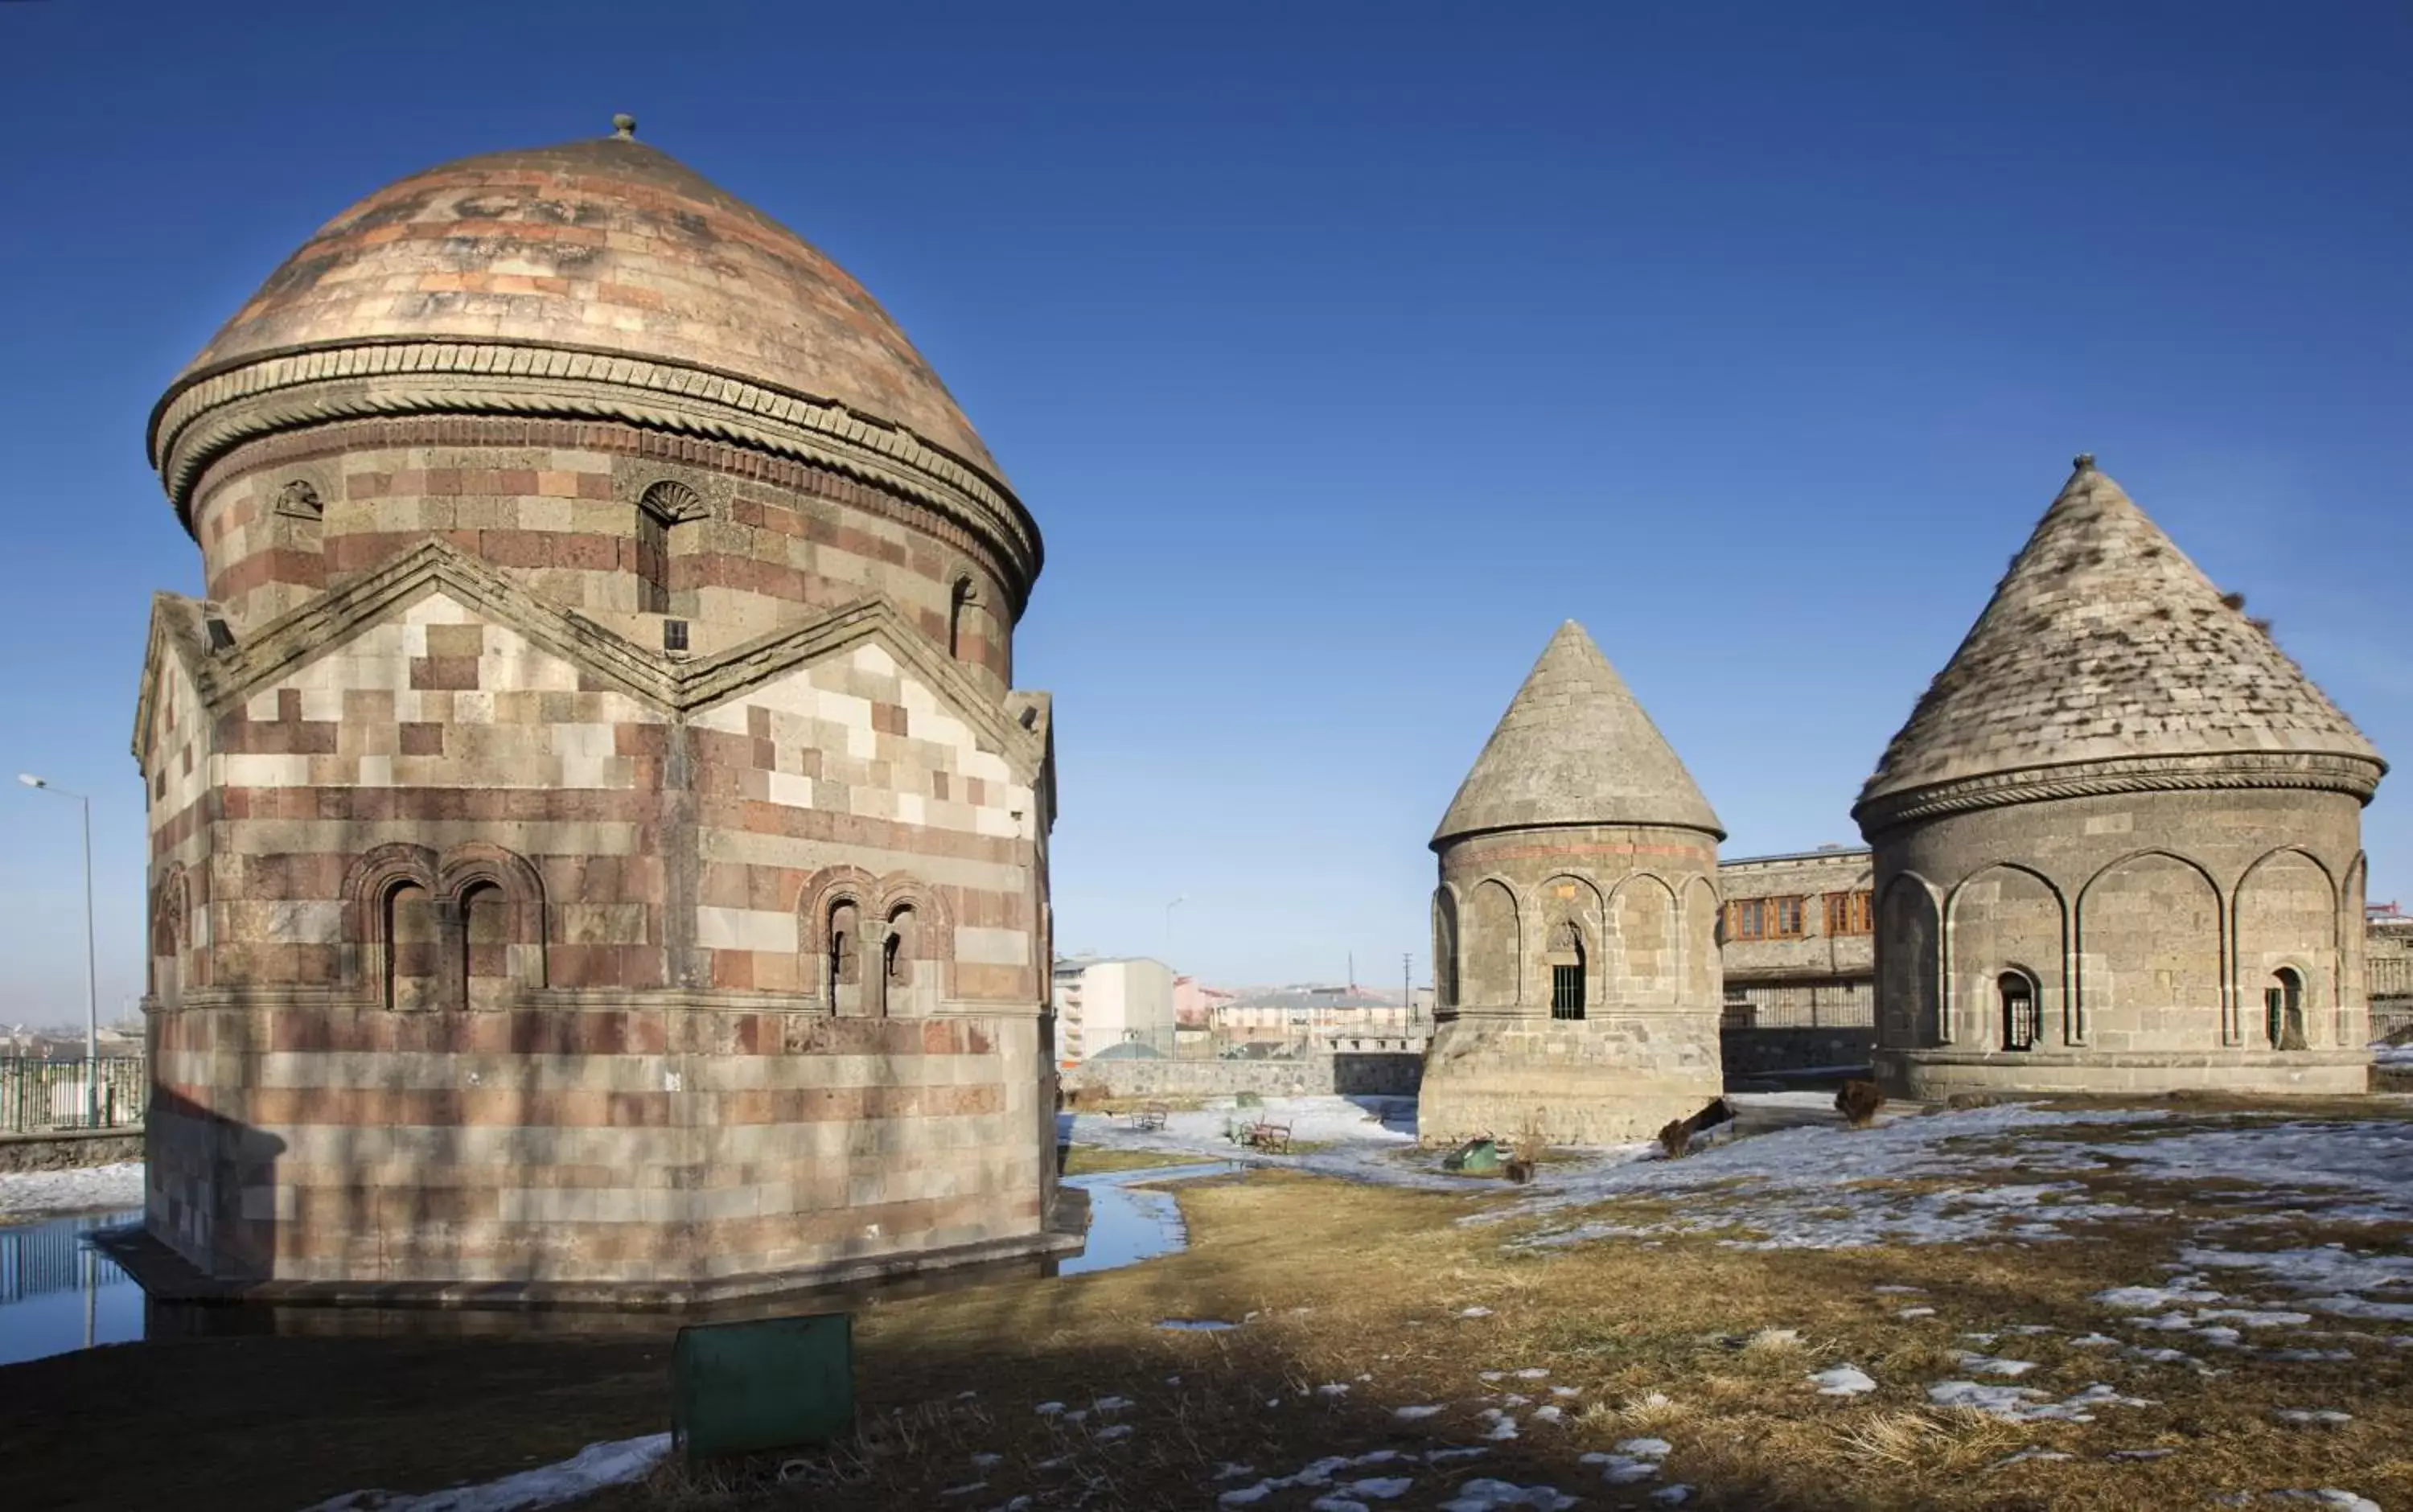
672 502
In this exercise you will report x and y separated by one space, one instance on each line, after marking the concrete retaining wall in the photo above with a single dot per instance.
70 1150
1759 1052
1371 1072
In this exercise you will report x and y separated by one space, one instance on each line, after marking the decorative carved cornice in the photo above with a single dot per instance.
2355 776
211 413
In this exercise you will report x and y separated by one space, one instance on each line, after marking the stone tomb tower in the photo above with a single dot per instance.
1575 929
597 847
2117 846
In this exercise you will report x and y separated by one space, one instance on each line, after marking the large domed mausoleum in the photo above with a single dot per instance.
597 845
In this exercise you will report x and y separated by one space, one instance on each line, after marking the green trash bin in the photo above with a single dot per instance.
772 1384
1476 1157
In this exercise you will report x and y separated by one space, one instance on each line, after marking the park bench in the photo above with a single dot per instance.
1151 1116
1272 1138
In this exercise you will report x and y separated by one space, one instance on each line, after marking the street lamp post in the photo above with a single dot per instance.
90 980
1169 924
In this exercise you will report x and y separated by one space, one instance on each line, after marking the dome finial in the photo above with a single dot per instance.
624 127
2084 462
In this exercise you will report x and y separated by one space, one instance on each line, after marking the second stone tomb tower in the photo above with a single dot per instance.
1574 926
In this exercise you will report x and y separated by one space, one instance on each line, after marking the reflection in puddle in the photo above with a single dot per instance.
1130 1221
58 1294
1195 1324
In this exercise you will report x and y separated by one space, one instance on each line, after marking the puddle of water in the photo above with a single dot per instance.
1130 1219
58 1294
1195 1324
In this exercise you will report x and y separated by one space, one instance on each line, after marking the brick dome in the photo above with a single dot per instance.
602 263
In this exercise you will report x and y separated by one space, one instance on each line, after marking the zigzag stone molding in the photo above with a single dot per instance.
211 415
223 678
2355 776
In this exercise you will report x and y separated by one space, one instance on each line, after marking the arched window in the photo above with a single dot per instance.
844 956
961 608
486 947
2019 999
407 919
898 946
664 505
1566 961
2283 1009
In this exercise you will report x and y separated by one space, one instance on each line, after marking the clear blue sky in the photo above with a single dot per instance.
1342 351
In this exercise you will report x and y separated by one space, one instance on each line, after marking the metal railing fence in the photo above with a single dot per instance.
49 1096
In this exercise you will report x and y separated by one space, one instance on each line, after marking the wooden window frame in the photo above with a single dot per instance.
1851 914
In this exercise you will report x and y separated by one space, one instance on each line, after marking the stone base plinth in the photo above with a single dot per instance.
1934 1075
1595 1081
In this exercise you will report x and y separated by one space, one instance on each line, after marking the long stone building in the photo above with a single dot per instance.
2117 844
1575 926
597 843
1798 947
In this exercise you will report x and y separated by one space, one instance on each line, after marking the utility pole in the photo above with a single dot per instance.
1408 986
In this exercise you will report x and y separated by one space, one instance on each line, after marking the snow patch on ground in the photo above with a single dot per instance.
1806 1187
2329 1278
588 1471
1487 1495
91 1190
2025 1404
1843 1381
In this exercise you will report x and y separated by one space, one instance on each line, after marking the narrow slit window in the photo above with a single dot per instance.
2019 998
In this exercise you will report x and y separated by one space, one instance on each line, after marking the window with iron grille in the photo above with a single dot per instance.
2019 1011
1566 992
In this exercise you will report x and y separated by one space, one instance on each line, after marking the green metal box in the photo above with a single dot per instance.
776 1383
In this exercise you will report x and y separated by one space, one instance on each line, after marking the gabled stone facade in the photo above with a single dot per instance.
596 852
1574 926
2118 843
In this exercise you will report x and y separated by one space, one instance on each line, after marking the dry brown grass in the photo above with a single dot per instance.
1096 1160
1685 1341
1682 1339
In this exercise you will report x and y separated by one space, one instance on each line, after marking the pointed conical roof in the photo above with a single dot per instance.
1576 749
2102 642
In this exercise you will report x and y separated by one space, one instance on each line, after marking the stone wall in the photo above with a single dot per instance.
1348 1073
672 1150
1759 1052
1634 911
2148 926
611 521
1819 953
492 948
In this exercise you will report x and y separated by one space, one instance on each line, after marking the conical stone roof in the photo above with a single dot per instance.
1576 749
2104 642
